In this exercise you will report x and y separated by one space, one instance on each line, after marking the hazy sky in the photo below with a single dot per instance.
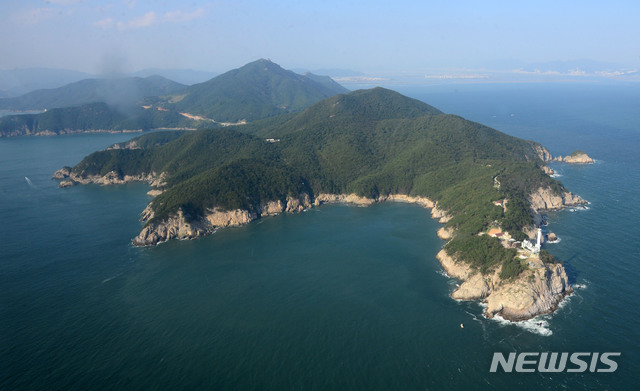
370 36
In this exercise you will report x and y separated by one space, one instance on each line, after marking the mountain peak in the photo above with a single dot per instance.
256 90
382 103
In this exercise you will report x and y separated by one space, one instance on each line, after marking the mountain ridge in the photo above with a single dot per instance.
116 92
255 91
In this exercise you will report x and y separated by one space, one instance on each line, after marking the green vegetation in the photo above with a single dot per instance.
547 257
91 117
243 184
155 139
511 268
120 92
481 252
373 142
95 116
253 92
257 90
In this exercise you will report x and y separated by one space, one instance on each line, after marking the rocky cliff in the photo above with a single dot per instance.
542 152
181 226
548 170
70 178
547 199
534 292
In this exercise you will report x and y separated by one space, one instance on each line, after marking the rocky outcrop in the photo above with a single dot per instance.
440 215
181 226
70 178
218 218
534 292
131 144
542 152
354 199
272 208
548 170
174 227
445 233
578 157
547 199
62 173
298 204
422 201
453 267
475 287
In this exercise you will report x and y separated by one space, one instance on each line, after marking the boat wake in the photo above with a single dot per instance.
31 185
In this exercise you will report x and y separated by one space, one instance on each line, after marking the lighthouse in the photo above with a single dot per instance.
539 240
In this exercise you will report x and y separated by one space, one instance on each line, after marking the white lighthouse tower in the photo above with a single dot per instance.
538 241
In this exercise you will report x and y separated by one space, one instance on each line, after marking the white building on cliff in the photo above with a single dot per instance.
532 246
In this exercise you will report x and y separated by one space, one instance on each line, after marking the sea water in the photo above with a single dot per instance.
337 297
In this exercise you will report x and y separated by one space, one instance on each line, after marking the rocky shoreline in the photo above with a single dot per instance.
179 226
535 291
69 178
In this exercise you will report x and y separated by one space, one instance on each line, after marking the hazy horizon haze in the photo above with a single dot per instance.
371 37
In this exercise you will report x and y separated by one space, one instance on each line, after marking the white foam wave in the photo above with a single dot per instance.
535 325
538 325
579 286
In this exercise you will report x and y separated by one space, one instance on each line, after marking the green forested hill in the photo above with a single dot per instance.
372 142
257 90
116 92
91 117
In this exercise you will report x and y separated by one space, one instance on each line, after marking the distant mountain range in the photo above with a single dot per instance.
255 91
183 76
21 81
117 92
333 72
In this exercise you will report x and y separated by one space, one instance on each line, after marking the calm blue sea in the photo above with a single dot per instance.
334 298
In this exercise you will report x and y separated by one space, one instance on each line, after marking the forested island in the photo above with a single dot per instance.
363 147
